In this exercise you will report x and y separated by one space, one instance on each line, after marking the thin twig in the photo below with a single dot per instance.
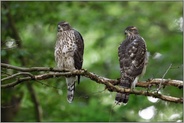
17 74
32 69
5 74
160 85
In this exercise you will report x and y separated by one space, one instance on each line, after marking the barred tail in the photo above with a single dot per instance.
123 97
70 81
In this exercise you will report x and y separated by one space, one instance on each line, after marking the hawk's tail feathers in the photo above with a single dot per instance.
70 81
123 97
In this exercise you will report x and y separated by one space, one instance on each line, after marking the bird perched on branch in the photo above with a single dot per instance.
68 53
133 59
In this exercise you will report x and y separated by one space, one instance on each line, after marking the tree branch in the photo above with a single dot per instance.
109 83
92 76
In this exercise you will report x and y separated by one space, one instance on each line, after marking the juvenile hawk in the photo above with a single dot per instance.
133 60
68 53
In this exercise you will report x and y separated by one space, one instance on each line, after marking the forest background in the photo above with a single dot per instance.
28 36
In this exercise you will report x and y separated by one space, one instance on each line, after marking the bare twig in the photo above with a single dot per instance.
17 74
160 85
155 95
165 82
33 69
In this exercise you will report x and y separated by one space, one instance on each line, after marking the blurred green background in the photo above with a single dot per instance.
102 26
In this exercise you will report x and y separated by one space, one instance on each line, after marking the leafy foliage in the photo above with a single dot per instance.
101 25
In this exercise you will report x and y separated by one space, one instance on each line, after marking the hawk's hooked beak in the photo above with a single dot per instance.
60 29
127 32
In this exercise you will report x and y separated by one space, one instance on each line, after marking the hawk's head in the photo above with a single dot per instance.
131 30
63 26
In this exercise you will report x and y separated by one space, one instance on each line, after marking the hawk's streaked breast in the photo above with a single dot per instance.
65 50
68 53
